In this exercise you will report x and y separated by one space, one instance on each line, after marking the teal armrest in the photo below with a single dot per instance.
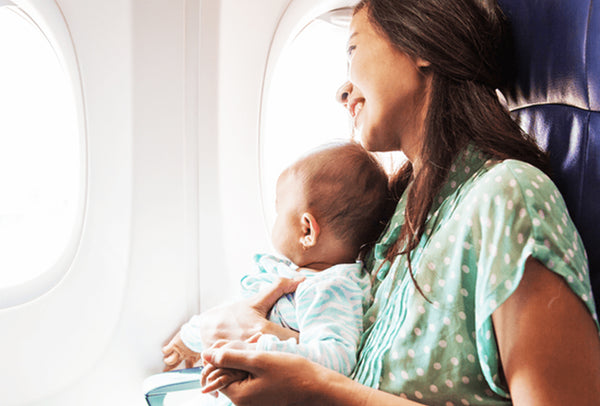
156 387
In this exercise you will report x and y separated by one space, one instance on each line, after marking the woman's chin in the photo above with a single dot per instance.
366 142
358 136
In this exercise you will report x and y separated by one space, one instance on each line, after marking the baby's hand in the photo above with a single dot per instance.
214 379
175 352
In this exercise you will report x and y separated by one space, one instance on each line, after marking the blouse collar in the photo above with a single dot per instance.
466 164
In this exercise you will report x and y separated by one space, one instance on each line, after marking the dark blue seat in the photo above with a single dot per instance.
555 95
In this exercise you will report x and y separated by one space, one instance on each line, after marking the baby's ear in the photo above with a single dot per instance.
310 230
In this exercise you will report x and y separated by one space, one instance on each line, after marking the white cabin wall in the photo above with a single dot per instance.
246 31
179 83
182 80
146 38
51 341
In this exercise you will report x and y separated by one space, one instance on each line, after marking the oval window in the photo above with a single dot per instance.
41 163
300 110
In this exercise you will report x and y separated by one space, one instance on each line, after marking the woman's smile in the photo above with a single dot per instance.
354 108
386 91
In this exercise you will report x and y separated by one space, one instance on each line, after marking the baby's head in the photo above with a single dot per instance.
330 204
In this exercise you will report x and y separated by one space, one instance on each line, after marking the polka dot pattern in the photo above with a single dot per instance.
487 220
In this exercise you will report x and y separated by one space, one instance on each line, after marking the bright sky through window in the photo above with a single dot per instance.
40 162
301 110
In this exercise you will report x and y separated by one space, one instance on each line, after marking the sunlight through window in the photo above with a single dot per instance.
301 110
40 152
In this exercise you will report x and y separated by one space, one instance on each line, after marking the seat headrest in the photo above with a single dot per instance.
557 49
555 96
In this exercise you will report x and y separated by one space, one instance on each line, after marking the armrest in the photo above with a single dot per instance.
156 387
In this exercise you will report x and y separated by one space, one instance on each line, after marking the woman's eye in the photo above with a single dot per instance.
350 50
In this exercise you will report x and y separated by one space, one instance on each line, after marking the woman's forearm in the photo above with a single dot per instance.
333 389
243 319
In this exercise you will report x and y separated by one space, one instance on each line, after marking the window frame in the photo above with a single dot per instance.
48 19
297 16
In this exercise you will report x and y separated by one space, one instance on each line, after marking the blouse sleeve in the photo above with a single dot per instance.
520 214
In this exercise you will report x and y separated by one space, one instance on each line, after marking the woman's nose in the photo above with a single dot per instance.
343 93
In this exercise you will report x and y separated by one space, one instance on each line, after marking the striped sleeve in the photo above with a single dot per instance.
329 314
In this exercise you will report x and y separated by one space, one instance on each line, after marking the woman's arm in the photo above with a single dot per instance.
241 320
237 321
549 345
287 379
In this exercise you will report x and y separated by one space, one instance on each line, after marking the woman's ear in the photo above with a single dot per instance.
422 63
422 66
310 231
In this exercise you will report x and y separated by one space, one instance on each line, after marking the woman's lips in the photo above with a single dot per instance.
355 111
355 106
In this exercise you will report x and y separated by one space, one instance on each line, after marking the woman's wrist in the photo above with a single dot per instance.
318 385
283 333
341 390
327 387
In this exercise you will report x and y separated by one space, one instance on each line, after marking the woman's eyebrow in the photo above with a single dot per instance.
354 34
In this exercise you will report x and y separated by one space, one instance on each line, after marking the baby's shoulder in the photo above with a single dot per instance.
341 277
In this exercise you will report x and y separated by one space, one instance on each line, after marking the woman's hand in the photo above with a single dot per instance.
282 379
176 351
271 378
243 319
214 379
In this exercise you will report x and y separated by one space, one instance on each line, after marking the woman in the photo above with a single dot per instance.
482 294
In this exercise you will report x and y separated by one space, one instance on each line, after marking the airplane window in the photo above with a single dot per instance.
40 152
301 110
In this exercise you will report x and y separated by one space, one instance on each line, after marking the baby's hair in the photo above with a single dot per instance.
347 189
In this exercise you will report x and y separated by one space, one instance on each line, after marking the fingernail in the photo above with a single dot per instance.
207 356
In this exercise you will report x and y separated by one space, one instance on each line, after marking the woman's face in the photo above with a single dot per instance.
387 91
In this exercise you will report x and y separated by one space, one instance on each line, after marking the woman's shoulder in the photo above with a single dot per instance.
511 171
513 179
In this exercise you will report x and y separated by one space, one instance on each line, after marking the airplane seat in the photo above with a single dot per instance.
555 95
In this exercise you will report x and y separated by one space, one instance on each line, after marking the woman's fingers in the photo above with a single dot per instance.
265 299
219 344
232 359
206 371
222 378
216 380
254 338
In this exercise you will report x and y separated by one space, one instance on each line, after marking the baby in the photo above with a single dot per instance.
331 205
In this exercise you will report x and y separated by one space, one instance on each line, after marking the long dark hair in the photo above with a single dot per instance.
466 44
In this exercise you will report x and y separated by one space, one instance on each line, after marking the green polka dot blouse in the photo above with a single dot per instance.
487 220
